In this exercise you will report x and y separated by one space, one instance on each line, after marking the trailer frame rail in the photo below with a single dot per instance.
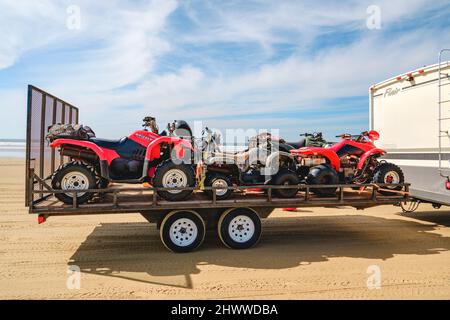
368 195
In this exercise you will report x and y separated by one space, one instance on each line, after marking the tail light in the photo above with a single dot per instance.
447 184
41 219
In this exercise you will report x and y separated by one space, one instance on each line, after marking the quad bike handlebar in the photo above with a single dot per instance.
150 122
315 135
371 135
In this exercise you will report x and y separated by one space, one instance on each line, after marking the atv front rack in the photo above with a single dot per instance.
145 199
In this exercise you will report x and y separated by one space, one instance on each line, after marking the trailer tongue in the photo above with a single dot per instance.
182 224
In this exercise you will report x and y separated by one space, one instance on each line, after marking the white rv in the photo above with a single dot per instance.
412 114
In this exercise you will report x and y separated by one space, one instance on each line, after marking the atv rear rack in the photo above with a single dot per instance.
146 199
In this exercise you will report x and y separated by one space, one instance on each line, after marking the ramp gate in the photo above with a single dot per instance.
43 110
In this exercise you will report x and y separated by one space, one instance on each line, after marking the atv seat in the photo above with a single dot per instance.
109 144
231 157
297 145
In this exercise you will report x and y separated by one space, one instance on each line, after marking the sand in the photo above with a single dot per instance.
309 254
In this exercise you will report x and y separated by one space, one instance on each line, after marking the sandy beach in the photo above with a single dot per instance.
309 254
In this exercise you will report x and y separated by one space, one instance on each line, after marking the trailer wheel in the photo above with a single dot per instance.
239 228
182 231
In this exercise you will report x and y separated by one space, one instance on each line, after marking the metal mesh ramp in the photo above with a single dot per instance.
43 110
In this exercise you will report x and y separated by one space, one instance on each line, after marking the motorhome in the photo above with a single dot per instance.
412 114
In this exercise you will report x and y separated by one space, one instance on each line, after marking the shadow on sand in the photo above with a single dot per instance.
133 251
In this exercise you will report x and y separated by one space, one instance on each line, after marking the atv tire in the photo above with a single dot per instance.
171 175
388 173
283 178
102 183
323 174
218 180
74 176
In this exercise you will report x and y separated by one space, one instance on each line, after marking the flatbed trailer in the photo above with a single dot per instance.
182 224
237 220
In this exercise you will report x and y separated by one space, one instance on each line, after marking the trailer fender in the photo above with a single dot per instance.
103 154
370 153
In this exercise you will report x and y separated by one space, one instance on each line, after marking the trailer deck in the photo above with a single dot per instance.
126 199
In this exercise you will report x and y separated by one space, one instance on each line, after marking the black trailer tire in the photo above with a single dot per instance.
182 175
73 176
239 228
218 180
323 174
285 177
385 171
182 231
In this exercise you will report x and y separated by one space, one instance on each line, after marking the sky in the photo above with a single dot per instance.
295 66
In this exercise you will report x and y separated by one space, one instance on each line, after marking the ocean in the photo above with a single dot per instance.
12 148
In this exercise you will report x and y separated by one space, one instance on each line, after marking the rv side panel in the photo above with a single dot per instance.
404 110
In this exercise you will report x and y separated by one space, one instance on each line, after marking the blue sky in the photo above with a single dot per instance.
295 66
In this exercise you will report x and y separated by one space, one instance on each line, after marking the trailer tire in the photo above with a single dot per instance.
239 228
182 231
73 176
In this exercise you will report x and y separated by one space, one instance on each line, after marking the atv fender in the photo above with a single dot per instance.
370 153
103 154
154 149
316 151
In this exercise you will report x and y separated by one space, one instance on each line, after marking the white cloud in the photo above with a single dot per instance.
271 22
27 25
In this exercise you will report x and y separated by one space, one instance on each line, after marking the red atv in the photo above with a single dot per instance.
353 160
143 156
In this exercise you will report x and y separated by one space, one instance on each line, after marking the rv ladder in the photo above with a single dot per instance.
444 172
